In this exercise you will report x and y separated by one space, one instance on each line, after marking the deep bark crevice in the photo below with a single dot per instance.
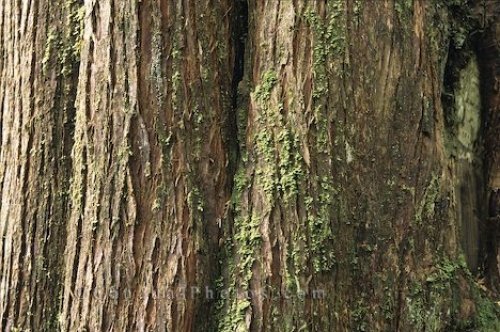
235 128
487 48
236 118
240 32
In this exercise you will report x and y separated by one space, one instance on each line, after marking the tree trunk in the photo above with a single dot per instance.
151 160
249 165
352 182
38 74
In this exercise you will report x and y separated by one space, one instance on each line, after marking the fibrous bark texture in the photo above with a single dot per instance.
38 71
260 165
149 184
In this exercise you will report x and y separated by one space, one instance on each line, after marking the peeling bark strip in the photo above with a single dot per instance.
161 160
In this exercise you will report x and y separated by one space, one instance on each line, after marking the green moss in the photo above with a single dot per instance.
73 37
329 45
487 317
404 9
51 45
241 247
429 302
328 41
357 9
267 175
195 200
166 142
277 145
290 164
359 315
63 46
263 91
246 239
423 315
320 229
451 24
242 112
278 169
433 304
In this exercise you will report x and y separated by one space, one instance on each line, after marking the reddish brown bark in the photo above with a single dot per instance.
150 149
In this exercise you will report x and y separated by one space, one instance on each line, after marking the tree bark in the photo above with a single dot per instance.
282 165
38 71
150 179
351 183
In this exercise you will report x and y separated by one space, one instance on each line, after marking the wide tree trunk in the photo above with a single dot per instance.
355 178
233 165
